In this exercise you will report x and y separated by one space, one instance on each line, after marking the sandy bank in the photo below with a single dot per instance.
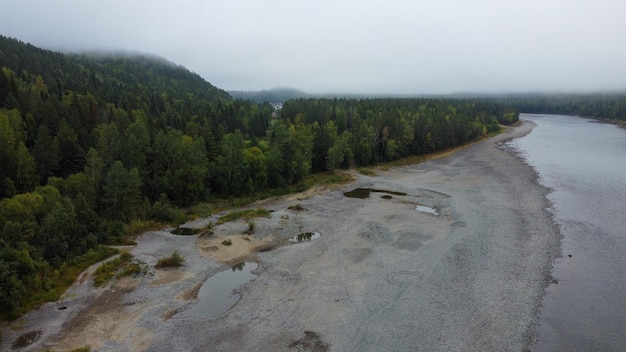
382 276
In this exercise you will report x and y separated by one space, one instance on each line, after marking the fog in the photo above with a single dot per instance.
323 46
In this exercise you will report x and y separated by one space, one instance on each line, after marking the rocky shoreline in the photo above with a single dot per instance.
381 276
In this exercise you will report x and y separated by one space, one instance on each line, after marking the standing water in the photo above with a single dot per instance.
216 295
584 164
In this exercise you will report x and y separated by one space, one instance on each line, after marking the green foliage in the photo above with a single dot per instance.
131 269
174 261
112 268
251 227
34 282
138 226
201 210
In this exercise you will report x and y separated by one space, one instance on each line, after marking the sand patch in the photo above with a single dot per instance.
168 276
190 294
108 318
241 247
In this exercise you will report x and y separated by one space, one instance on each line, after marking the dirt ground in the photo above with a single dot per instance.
382 276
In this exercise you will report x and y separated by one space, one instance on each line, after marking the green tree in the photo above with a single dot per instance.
256 163
71 154
59 230
135 144
27 177
191 169
122 192
107 143
233 173
340 153
94 166
16 267
46 153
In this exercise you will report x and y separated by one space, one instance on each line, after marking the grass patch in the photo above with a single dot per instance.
132 269
173 261
227 242
113 268
251 227
246 214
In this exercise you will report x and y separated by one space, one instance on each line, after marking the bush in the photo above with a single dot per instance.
227 242
174 261
297 207
251 227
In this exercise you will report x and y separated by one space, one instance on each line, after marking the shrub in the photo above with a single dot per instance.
227 242
174 261
297 207
251 227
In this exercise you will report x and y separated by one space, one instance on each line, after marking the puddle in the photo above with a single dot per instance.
185 231
216 295
305 236
26 339
427 210
363 193
62 308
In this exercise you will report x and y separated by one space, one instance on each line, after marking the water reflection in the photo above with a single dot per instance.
425 209
363 193
216 295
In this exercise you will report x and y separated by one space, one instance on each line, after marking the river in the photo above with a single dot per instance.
583 162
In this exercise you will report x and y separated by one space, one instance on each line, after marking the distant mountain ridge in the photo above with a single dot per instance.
274 95
283 94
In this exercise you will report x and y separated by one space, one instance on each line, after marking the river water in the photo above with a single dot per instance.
584 164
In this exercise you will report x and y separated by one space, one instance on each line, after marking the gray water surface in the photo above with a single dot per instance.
584 164
216 295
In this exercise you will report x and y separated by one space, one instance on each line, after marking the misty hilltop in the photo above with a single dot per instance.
109 74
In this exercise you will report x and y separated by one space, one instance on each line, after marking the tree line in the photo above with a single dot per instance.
607 106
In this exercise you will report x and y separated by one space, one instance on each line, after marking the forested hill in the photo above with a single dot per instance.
130 80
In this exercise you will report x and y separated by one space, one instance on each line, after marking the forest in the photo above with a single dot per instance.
608 107
90 143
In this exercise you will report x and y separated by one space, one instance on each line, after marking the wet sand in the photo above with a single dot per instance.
381 277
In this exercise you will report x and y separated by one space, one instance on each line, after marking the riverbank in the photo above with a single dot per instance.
381 276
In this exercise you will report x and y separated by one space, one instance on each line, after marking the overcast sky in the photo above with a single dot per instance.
346 46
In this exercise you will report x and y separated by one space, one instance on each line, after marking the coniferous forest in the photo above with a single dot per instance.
92 142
